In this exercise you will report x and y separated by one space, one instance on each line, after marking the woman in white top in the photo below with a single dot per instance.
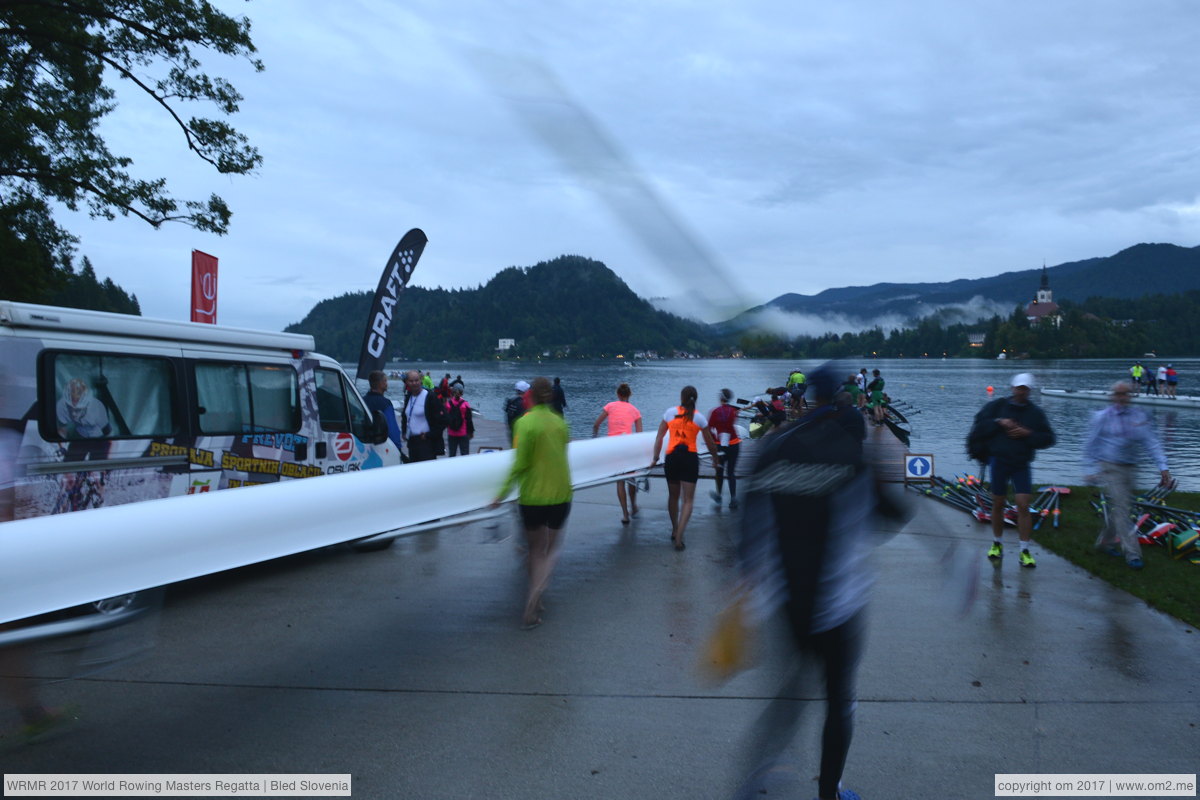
682 467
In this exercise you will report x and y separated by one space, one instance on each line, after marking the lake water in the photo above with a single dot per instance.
946 394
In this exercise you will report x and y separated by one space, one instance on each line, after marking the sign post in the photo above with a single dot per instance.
918 468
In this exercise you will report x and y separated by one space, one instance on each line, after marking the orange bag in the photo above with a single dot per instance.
727 651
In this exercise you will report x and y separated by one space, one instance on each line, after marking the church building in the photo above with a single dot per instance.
1044 307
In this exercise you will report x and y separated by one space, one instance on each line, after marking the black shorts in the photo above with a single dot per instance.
1002 474
553 517
682 466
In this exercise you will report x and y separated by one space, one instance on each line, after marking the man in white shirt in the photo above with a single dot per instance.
421 422
1110 460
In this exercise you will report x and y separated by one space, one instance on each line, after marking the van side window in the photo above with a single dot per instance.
111 397
360 418
242 398
331 401
339 405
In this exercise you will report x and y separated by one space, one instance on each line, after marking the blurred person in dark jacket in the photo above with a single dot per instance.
1011 430
803 552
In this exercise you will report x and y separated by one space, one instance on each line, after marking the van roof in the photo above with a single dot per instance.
54 318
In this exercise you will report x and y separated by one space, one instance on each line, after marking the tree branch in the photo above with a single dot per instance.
161 101
91 188
131 76
100 13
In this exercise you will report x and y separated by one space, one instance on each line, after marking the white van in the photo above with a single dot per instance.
98 409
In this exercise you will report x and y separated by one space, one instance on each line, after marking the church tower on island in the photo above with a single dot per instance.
1044 307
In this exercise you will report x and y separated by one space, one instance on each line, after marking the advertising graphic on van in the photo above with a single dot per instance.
114 409
343 446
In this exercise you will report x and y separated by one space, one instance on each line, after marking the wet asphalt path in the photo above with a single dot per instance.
407 669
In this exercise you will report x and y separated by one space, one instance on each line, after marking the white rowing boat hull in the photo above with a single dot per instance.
1182 401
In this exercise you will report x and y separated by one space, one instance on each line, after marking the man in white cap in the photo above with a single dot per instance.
516 406
1008 431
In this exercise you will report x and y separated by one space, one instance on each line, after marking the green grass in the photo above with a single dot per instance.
1166 584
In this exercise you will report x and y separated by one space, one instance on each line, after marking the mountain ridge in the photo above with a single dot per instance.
1161 269
574 306
570 305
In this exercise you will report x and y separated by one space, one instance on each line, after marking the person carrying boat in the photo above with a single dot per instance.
682 465
721 423
623 419
543 474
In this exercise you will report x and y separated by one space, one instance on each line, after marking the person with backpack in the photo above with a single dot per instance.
460 426
1006 434
515 406
423 420
376 400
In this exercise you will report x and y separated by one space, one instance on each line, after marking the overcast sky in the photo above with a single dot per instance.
772 147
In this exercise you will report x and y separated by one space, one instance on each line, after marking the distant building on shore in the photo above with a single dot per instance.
1043 307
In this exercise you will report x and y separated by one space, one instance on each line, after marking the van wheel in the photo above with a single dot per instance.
114 605
372 547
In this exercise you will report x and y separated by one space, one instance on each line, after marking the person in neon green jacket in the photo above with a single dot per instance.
540 470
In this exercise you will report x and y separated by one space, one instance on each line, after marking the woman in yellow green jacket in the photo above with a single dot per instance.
540 469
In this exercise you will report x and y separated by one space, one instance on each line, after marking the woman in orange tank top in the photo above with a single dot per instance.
623 418
682 466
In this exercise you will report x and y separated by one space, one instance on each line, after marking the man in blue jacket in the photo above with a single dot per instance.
376 400
1012 429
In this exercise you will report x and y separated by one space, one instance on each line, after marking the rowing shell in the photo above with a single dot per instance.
1182 401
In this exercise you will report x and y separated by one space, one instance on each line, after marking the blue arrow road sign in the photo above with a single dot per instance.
918 466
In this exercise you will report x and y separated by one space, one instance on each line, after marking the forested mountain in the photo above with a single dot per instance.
570 306
1137 271
574 306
